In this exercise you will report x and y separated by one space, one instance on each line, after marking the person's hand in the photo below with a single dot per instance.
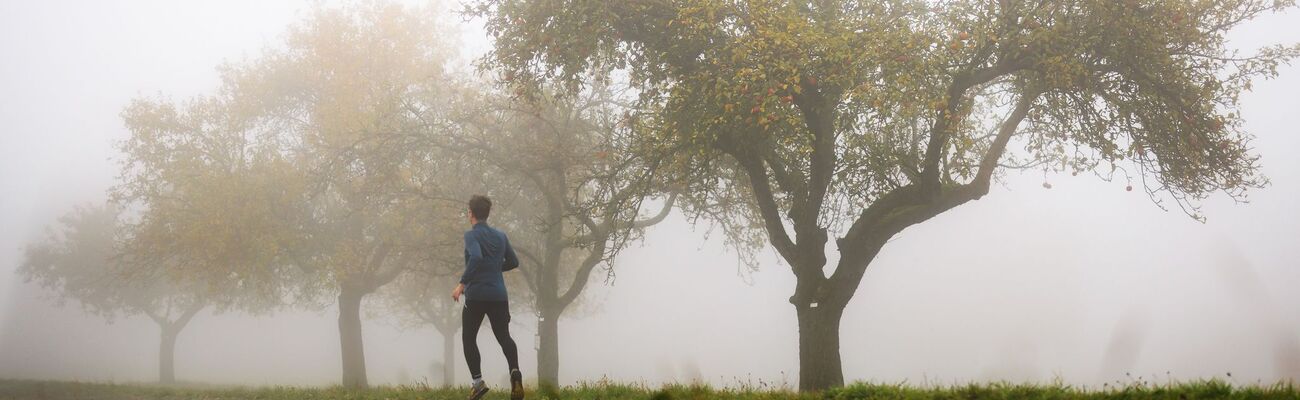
455 293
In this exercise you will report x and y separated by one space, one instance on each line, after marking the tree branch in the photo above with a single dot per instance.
384 277
185 318
659 217
909 205
820 120
594 257
961 82
1009 126
528 275
767 206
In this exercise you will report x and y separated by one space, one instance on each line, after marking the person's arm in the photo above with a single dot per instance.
511 261
473 257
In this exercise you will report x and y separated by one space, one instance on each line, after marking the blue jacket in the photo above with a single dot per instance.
487 255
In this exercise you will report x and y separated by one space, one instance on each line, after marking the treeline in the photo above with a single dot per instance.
334 168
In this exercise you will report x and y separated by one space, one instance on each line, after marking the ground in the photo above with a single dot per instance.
26 389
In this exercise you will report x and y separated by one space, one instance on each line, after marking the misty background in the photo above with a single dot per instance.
1084 283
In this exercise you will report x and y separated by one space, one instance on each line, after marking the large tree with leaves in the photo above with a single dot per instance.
83 261
854 120
209 203
344 95
575 194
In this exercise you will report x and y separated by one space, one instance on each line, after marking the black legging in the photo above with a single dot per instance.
498 313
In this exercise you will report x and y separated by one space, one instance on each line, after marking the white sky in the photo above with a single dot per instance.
1026 284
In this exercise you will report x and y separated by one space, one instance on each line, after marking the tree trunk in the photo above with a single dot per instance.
167 354
819 347
448 359
548 353
354 357
168 330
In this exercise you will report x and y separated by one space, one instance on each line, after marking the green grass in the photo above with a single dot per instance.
1214 389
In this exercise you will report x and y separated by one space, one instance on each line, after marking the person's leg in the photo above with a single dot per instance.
471 318
499 316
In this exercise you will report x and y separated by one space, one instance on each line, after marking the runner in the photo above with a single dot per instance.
487 255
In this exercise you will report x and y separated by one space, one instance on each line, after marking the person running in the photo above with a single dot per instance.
487 255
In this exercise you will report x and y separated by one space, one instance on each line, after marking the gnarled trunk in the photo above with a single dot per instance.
819 347
168 331
448 359
548 352
354 357
167 353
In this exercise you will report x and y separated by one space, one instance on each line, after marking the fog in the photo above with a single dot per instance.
1084 283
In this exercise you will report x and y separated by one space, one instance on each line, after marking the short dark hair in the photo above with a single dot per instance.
480 206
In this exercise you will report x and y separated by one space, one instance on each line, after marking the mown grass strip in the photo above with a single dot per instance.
1210 389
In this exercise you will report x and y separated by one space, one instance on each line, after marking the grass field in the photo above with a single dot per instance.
24 389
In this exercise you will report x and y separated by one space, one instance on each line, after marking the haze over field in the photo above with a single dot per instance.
1084 282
